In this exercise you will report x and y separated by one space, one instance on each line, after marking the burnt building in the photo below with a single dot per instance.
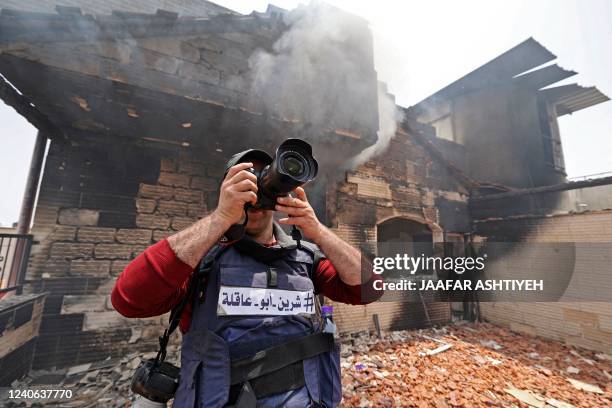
142 109
505 114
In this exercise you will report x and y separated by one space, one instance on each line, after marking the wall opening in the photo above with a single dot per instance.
404 236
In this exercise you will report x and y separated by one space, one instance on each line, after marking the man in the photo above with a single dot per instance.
258 299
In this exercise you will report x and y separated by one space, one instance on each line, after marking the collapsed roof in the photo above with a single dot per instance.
522 65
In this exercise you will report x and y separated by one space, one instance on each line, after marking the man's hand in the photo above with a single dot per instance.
301 214
345 258
238 188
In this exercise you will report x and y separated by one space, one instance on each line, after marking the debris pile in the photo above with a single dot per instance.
471 365
100 384
464 365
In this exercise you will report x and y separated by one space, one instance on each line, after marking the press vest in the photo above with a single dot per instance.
249 306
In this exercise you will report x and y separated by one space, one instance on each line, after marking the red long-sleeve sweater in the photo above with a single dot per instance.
155 281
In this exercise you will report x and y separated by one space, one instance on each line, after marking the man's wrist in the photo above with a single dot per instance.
218 220
320 234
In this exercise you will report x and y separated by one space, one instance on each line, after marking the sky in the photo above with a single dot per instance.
421 46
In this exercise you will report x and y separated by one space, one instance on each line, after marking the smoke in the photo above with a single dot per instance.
320 72
388 117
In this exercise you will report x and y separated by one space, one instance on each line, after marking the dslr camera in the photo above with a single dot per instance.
293 165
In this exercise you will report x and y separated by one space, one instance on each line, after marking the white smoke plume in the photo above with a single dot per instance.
388 117
320 72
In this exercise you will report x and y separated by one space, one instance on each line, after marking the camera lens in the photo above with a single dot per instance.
293 166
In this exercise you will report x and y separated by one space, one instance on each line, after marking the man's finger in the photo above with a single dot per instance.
291 210
248 197
245 185
242 175
301 194
237 168
292 202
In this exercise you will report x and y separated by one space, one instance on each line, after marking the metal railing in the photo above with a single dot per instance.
14 254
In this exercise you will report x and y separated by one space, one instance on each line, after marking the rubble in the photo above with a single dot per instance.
486 365
104 383
475 365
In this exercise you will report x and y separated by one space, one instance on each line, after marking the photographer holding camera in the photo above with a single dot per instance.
245 293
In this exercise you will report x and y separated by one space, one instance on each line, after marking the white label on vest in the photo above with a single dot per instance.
235 300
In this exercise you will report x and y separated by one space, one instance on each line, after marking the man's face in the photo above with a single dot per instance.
259 220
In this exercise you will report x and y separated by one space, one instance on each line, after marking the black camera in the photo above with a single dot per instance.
293 165
156 381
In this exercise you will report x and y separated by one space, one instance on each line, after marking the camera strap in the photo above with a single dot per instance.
201 272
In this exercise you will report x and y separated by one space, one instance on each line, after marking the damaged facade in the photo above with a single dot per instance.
143 110
507 121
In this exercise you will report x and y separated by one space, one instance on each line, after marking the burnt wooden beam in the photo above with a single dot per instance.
571 185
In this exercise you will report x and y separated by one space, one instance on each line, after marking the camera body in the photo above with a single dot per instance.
156 381
293 165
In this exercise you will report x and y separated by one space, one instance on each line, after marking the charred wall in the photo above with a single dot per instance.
99 207
582 316
527 204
